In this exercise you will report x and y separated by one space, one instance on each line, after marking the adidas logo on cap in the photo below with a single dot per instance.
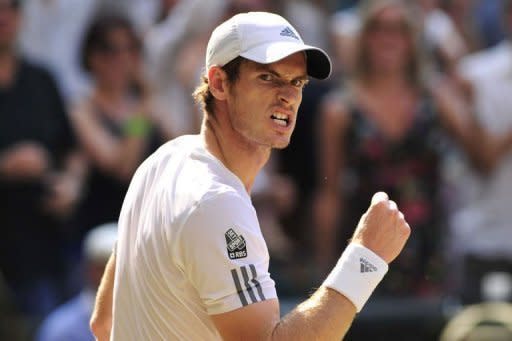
367 266
288 32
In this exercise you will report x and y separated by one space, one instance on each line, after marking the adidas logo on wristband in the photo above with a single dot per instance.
366 266
356 274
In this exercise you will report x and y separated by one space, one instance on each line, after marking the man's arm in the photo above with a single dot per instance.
101 319
328 314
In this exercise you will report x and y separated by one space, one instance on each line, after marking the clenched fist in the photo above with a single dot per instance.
382 228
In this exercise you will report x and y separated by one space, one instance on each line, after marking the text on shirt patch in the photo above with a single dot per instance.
236 246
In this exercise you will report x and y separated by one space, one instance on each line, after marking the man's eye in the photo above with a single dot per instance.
266 77
299 83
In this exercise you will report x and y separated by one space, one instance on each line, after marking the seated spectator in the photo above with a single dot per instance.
70 321
114 124
40 174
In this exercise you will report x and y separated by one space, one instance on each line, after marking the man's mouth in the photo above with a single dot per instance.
281 119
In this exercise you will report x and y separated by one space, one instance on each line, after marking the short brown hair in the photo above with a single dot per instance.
202 94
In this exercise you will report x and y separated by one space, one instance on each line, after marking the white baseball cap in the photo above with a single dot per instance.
263 38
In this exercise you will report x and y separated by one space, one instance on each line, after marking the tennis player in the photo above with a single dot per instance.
191 262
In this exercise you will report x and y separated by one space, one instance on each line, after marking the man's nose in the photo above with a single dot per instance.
289 94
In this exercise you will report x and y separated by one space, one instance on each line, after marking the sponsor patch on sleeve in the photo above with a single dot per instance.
236 245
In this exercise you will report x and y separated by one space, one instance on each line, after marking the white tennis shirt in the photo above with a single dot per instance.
189 246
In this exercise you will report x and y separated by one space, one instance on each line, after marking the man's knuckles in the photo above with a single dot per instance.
380 206
392 206
405 229
379 197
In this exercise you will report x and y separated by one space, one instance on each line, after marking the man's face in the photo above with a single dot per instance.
263 102
9 20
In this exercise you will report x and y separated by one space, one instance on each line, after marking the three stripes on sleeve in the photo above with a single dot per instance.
247 286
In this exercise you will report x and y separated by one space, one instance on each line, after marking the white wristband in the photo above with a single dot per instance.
357 273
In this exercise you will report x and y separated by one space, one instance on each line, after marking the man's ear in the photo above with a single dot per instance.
217 81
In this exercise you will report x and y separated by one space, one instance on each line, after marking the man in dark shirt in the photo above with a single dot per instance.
39 173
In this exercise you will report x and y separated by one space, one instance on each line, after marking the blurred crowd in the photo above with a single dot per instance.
419 105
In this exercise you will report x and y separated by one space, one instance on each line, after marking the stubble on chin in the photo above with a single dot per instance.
280 145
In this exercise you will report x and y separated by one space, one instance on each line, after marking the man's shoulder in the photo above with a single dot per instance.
199 171
175 151
189 175
225 198
182 142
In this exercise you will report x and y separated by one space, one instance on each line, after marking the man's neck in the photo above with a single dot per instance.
239 156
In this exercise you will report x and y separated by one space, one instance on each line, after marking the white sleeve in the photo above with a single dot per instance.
224 254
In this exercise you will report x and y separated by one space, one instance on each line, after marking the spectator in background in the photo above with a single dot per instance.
441 36
114 124
343 30
53 30
51 33
141 13
383 133
482 227
40 174
463 15
70 321
174 47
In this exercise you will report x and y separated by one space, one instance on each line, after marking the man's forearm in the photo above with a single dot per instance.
327 315
101 319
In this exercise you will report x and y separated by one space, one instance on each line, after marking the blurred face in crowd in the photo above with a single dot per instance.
9 22
264 100
388 41
115 61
